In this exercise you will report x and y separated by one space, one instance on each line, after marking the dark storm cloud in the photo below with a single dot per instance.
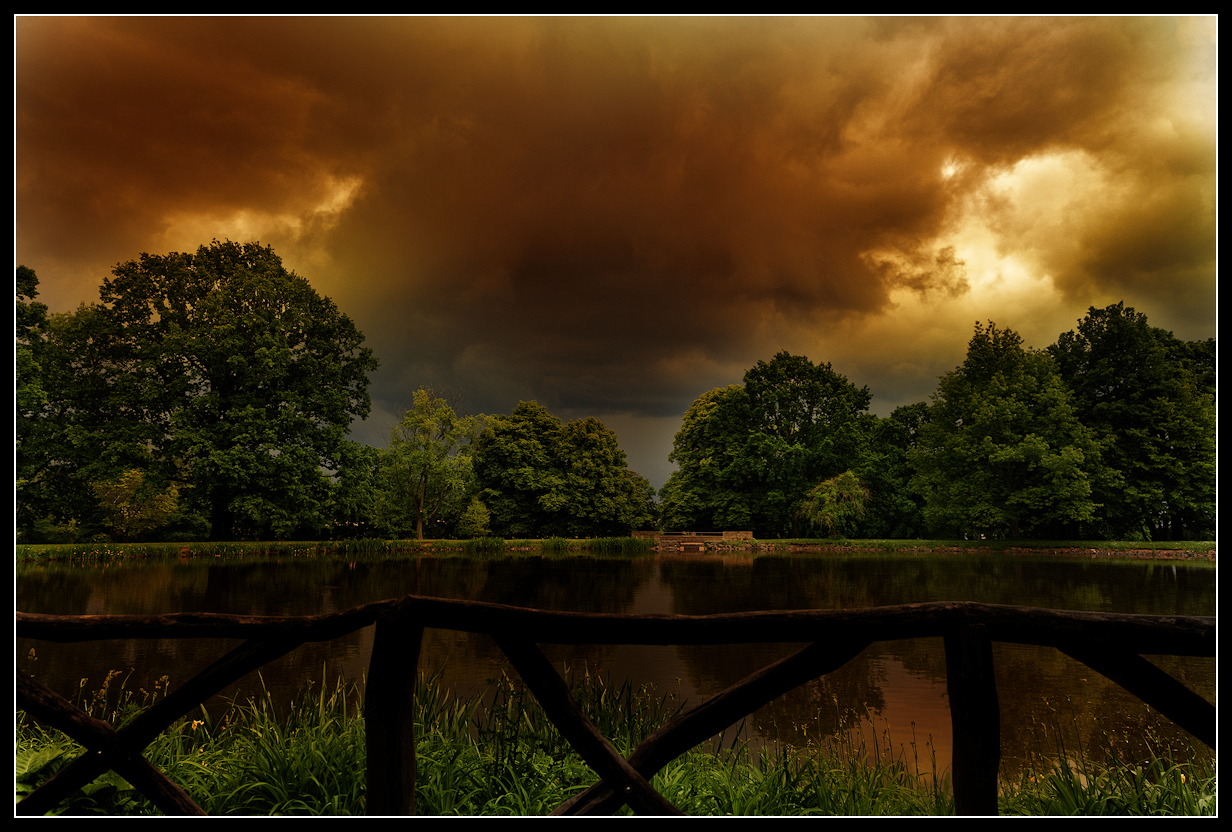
613 215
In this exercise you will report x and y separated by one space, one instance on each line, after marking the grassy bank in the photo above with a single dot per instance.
609 546
1192 548
504 758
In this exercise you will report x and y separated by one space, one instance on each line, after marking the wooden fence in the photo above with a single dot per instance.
1113 645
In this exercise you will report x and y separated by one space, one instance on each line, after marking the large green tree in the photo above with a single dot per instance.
357 493
749 454
602 496
219 372
540 477
427 468
29 396
63 389
1003 452
1150 399
895 507
706 491
30 399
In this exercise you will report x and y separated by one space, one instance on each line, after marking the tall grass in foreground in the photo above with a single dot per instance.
1061 779
499 755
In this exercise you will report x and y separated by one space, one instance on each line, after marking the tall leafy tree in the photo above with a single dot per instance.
29 396
30 400
1003 452
517 470
706 492
748 454
357 493
603 498
540 478
62 410
220 372
895 507
427 468
1150 399
809 424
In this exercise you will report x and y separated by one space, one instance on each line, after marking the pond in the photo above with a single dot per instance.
898 686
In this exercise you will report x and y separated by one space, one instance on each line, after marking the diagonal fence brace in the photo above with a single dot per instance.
560 706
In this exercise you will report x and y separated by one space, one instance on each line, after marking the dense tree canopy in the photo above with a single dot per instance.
131 508
61 404
31 327
749 454
426 471
835 503
219 372
210 394
540 478
895 506
1003 452
706 492
1150 400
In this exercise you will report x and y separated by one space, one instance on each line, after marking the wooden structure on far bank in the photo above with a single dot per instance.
686 540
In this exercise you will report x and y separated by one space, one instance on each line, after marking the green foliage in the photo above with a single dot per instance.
747 455
502 756
1094 779
1158 788
620 546
834 503
475 521
895 507
132 507
706 492
356 493
1150 401
484 545
218 371
52 444
426 471
1002 452
31 326
540 478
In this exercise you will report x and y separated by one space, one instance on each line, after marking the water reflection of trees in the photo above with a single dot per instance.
1037 684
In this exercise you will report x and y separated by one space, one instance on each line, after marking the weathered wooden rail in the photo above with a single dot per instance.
1113 645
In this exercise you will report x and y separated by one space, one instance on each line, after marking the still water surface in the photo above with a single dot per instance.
900 685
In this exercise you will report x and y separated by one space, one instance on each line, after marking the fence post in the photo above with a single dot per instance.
976 719
389 714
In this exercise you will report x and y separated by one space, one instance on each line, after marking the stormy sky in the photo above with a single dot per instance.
612 216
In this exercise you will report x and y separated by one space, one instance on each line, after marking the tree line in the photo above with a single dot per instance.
522 475
1107 434
209 396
